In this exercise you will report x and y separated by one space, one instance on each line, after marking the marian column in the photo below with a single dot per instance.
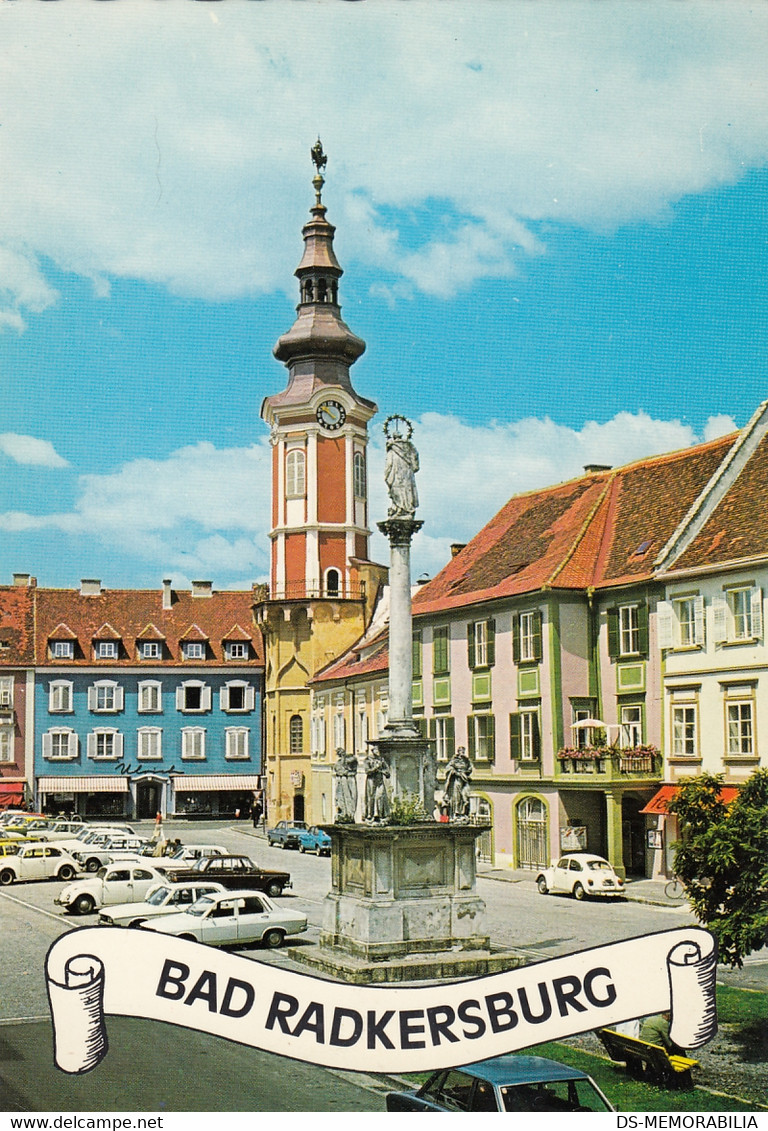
412 767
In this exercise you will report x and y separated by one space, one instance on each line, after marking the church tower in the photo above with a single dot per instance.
322 585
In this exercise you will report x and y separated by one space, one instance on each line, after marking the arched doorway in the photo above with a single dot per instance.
298 806
532 833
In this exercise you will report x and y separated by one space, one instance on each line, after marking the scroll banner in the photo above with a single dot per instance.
96 971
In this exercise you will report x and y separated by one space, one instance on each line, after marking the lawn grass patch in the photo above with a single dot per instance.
627 1094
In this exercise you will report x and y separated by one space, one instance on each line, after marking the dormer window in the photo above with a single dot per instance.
63 649
237 650
193 650
106 649
149 649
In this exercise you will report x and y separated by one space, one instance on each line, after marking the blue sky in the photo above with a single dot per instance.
551 219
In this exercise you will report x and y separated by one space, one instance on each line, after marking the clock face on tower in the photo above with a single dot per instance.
331 415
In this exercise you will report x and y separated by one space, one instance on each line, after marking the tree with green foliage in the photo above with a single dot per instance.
722 860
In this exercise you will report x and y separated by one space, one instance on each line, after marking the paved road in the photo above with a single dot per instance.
198 1073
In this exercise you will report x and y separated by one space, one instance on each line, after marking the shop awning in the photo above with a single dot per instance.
194 783
658 803
11 793
101 784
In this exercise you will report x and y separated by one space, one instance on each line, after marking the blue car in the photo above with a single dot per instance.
315 840
504 1083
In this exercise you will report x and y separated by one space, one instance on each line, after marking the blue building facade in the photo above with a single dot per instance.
147 702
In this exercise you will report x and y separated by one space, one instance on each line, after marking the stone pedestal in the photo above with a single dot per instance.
412 765
403 890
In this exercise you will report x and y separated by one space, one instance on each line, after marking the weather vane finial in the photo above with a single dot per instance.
318 157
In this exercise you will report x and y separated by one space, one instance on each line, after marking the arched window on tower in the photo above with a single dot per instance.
295 479
307 291
322 290
296 734
334 291
332 583
358 475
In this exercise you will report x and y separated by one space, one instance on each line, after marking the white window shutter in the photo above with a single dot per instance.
205 697
119 746
250 697
180 698
92 697
757 612
73 745
223 698
664 618
119 698
47 744
92 744
698 620
719 620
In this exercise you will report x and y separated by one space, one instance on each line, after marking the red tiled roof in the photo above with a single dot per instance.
737 528
649 501
237 632
194 632
106 632
17 625
150 632
605 528
352 664
62 632
139 614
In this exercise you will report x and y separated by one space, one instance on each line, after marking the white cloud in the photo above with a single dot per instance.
719 426
29 450
155 143
205 512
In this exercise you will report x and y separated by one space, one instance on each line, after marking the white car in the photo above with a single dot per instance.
46 829
580 874
37 861
96 853
126 882
165 899
185 856
232 917
88 835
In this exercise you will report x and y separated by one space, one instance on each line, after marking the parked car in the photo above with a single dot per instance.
286 834
237 872
580 874
164 899
504 1083
185 856
314 839
232 917
9 847
105 850
20 824
88 834
51 829
125 882
37 861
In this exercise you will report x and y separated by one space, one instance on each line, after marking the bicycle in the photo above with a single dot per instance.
674 890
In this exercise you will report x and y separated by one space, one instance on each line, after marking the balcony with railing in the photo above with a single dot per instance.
611 763
301 591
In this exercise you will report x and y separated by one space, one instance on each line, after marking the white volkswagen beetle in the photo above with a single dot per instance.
123 882
580 874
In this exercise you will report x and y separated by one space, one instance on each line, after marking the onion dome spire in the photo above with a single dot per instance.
319 331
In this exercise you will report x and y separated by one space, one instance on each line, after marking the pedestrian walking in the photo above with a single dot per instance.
256 812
